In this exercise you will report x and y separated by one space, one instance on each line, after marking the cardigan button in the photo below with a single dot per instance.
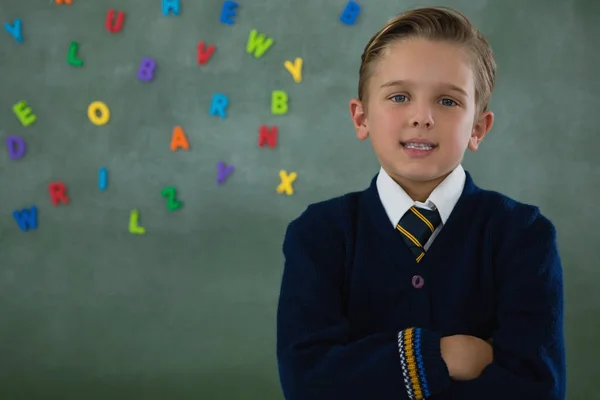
418 281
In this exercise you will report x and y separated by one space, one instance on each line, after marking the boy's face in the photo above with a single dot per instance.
420 110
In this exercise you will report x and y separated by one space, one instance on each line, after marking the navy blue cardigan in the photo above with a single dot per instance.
358 318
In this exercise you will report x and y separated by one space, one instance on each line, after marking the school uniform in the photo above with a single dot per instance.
372 281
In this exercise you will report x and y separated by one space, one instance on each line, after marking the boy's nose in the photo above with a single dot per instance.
422 118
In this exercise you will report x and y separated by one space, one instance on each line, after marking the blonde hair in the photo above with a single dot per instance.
438 24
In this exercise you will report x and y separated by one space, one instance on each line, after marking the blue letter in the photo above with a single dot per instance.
15 30
228 11
27 219
219 103
350 13
170 5
102 178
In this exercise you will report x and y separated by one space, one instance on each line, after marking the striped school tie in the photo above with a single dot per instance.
417 226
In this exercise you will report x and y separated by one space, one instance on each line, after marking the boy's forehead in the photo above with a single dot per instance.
424 62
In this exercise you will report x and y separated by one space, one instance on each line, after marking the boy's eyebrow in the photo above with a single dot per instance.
449 86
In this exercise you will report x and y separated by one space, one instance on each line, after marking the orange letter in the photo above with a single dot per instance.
58 193
179 140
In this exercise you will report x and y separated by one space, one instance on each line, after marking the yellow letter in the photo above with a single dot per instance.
286 182
133 224
279 104
295 69
93 113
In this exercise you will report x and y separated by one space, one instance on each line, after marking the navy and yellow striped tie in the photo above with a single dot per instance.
417 226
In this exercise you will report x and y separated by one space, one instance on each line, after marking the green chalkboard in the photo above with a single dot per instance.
159 278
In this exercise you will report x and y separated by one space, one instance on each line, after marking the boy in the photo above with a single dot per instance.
422 286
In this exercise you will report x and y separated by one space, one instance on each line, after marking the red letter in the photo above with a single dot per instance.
58 193
204 55
267 136
114 28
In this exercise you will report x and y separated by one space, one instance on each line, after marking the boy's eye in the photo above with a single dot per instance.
448 102
398 98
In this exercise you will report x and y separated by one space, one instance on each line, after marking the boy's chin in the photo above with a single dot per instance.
420 174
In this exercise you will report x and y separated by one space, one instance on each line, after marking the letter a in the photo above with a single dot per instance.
178 139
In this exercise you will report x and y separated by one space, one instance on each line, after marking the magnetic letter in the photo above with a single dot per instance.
134 228
170 193
58 193
15 30
266 135
178 139
218 105
16 147
26 219
279 104
295 69
110 24
72 57
170 5
223 171
228 12
350 13
257 44
24 113
69 2
98 113
204 54
146 71
286 182
102 178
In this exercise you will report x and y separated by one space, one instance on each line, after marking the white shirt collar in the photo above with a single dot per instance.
397 202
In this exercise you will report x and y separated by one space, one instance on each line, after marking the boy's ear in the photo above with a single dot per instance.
481 128
359 118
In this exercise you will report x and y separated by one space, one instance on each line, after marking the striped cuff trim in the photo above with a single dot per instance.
415 381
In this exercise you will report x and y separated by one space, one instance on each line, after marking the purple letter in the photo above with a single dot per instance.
16 147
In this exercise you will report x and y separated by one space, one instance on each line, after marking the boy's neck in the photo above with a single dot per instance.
418 191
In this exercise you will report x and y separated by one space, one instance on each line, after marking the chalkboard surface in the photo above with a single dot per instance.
149 167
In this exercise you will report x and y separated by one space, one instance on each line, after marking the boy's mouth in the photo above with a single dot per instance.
418 145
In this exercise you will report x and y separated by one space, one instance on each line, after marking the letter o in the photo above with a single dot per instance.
104 116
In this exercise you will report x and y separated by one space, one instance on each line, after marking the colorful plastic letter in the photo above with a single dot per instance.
286 182
98 113
171 194
279 101
267 135
15 30
110 24
58 193
258 43
228 12
223 171
24 113
218 105
146 71
26 218
350 13
72 57
204 54
59 2
102 178
134 228
295 69
16 147
172 6
178 139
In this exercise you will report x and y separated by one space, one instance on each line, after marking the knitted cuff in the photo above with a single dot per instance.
425 372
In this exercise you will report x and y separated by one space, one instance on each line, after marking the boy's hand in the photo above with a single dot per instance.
466 356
